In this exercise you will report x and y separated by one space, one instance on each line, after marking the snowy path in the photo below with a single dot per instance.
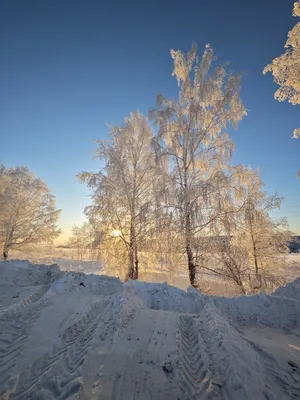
76 336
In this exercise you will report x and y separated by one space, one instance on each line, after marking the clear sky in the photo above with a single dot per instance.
68 67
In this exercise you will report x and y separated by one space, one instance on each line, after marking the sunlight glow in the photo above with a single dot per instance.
116 233
294 346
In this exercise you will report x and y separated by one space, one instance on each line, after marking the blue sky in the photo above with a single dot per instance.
68 67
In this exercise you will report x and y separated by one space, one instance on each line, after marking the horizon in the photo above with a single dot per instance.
70 68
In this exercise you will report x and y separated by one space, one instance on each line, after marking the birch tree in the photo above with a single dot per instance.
286 68
265 239
28 213
122 189
192 136
249 246
228 261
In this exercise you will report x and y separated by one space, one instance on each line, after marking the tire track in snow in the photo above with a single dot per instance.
16 321
194 369
14 310
234 365
59 373
123 314
289 382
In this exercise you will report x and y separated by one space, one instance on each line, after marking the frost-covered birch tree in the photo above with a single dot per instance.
27 209
192 137
265 239
286 68
249 247
122 189
227 260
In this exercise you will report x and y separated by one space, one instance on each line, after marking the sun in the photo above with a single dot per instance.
116 233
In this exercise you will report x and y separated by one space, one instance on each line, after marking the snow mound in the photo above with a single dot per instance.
236 366
291 290
21 273
93 284
15 264
161 296
260 310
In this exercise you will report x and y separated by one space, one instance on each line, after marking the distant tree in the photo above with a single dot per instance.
266 240
122 190
249 247
82 240
286 68
27 209
192 143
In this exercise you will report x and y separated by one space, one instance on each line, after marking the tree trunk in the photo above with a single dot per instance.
258 283
5 253
255 258
241 286
189 252
191 266
7 243
133 243
254 249
131 271
136 261
133 258
188 229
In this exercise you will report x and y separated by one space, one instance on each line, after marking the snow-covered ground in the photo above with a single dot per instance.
294 266
67 335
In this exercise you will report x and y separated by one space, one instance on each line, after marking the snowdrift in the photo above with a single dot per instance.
67 335
291 290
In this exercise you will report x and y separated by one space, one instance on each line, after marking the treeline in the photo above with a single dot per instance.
168 184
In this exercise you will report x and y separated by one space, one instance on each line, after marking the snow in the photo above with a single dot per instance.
260 310
22 273
164 297
74 281
70 335
291 290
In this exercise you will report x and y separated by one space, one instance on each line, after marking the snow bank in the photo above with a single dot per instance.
76 281
260 310
21 273
291 290
161 296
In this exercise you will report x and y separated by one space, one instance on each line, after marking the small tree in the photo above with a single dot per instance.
122 190
227 261
192 137
286 68
248 247
265 240
28 213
